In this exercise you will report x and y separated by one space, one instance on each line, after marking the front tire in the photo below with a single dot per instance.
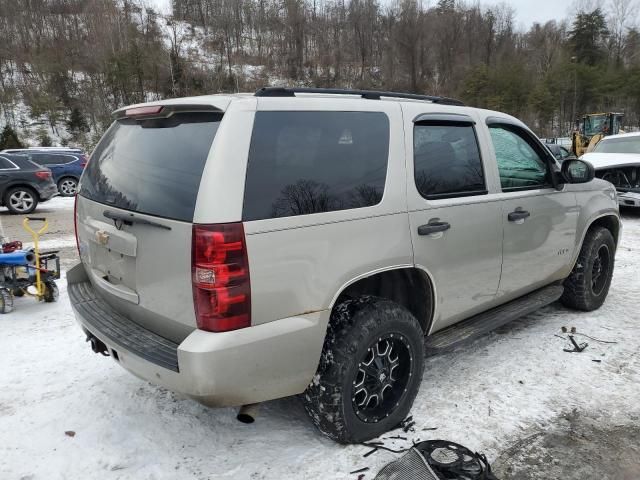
370 370
588 285
21 200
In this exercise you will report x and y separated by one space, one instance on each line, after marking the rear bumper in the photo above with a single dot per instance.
251 365
47 192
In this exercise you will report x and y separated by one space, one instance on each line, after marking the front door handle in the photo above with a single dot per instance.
433 226
518 215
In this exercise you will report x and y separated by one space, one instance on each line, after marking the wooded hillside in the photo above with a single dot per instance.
66 64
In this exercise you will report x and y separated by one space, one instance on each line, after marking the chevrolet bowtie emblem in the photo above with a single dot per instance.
102 237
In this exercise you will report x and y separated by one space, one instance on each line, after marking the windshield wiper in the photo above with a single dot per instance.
129 219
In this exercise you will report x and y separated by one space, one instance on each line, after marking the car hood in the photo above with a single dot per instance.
611 160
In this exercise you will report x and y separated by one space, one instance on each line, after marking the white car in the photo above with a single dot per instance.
617 160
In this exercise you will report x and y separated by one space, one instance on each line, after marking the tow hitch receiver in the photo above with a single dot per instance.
97 346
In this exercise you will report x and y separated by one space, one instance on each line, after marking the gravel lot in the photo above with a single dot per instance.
536 411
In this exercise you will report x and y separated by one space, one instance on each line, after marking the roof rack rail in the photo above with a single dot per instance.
368 94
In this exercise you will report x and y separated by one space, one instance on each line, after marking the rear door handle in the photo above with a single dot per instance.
518 215
433 227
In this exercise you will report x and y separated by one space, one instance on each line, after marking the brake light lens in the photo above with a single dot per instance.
83 161
220 277
141 111
43 174
75 222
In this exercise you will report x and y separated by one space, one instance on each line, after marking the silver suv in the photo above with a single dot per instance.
241 248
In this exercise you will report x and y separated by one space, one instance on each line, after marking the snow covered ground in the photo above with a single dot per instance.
488 396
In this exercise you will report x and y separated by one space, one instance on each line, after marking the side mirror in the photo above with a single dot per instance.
577 171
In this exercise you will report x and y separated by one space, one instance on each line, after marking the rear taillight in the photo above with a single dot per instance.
220 276
83 161
43 174
75 222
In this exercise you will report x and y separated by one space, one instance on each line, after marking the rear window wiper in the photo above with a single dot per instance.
130 219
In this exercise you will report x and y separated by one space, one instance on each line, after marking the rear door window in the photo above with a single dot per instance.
24 163
447 160
312 162
152 166
40 158
60 159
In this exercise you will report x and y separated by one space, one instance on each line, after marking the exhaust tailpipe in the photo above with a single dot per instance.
248 413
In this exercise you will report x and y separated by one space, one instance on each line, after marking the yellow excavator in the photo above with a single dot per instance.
592 128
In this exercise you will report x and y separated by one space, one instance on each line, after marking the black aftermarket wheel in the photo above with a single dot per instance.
382 377
370 370
587 286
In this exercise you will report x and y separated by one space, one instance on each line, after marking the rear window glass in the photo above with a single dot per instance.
152 166
312 162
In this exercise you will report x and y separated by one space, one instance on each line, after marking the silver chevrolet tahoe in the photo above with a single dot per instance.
241 248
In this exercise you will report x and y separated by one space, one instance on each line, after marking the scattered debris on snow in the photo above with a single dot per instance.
127 428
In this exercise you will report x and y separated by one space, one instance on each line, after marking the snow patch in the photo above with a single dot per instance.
483 395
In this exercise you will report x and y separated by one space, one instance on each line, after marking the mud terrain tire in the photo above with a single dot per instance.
372 334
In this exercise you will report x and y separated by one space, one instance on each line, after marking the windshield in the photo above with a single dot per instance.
619 145
152 166
595 124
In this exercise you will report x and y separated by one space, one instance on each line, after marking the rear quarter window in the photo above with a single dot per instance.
312 162
5 164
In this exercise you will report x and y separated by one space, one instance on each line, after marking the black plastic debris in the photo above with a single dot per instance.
360 470
576 348
438 460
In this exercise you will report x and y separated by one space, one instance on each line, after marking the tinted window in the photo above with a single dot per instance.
312 162
629 144
41 158
519 163
23 162
4 163
447 160
152 166
52 158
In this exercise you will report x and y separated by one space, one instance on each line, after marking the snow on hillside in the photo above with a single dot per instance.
17 114
194 49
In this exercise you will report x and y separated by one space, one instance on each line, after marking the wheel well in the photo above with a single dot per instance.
20 185
409 287
611 223
68 176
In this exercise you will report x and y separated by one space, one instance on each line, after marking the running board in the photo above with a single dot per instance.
485 322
